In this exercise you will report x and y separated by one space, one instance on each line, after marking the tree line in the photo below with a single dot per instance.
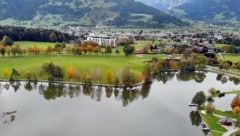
125 78
34 34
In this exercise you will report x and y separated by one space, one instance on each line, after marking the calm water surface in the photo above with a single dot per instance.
161 109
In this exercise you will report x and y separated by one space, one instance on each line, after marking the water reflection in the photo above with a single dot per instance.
60 90
9 117
197 121
195 118
198 77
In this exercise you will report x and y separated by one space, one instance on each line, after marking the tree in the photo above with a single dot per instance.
7 41
212 91
173 64
235 102
128 50
200 62
109 77
97 49
84 76
168 50
238 66
96 75
90 48
53 71
108 50
186 65
210 108
49 49
199 98
59 47
147 73
70 72
14 74
138 77
126 79
77 75
28 75
2 50
68 50
117 51
236 110
5 73
225 65
8 50
53 37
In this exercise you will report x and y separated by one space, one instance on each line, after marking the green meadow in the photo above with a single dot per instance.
82 63
232 57
28 44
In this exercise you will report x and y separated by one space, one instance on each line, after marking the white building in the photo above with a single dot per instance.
103 40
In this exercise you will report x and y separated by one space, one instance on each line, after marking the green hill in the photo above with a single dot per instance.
219 11
57 13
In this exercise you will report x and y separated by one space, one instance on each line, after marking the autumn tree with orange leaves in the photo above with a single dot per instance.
70 72
109 77
236 104
5 73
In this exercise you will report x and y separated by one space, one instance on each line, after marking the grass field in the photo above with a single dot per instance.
232 57
83 63
216 129
28 44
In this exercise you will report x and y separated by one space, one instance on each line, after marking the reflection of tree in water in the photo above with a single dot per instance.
96 94
195 118
53 91
108 91
182 76
164 76
185 76
128 96
145 91
6 86
224 79
9 117
28 86
199 77
219 77
188 76
236 81
161 77
57 90
16 85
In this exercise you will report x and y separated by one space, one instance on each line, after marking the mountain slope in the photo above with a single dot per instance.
84 12
210 10
163 5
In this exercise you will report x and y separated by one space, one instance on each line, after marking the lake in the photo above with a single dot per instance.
159 109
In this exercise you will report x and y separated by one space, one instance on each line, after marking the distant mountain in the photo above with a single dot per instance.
122 13
210 10
163 5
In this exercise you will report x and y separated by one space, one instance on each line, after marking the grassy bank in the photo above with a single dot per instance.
216 129
83 63
232 57
28 44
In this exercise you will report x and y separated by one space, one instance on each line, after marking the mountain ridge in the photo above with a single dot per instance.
216 10
163 5
120 13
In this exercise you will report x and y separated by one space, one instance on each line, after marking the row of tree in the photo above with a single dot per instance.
197 62
59 48
125 78
31 34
